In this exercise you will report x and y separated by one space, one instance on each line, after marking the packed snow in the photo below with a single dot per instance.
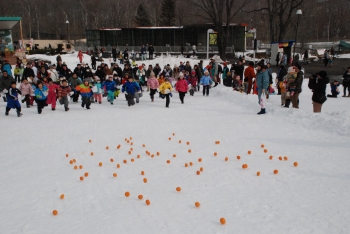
309 198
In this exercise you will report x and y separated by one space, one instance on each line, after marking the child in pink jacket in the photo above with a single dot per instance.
153 84
26 90
51 97
182 87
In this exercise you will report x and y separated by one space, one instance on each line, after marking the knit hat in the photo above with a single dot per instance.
86 80
181 74
97 78
193 72
323 74
152 74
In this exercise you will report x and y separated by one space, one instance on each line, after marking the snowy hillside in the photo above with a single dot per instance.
309 198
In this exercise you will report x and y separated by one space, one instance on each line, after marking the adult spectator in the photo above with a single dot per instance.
5 82
281 73
318 84
346 82
28 71
150 51
157 70
114 54
298 82
249 74
143 52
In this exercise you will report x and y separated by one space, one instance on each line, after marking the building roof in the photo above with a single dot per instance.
7 23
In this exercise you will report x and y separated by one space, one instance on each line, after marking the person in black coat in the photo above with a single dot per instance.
346 82
114 54
93 62
318 84
157 70
118 70
151 51
79 70
28 71
282 73
100 74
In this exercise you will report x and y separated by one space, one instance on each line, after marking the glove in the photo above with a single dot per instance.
5 91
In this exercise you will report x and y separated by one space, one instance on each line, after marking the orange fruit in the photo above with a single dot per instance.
179 141
173 134
62 196
128 141
197 204
90 141
223 221
265 150
178 189
129 152
186 165
142 172
131 149
125 161
86 174
168 161
218 142
238 157
280 158
245 166
92 153
118 147
74 160
191 164
75 167
169 138
130 138
71 161
201 169
81 178
115 174
67 155
107 147
152 156
174 155
262 145
100 164
80 166
112 160
215 154
285 158
199 160
158 153
295 164
140 196
188 143
189 151
271 157
258 173
275 172
198 172
127 194
54 212
226 159
138 156
118 165
132 160
143 145
148 202
144 180
132 143
249 152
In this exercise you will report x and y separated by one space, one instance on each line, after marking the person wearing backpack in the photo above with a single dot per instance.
318 84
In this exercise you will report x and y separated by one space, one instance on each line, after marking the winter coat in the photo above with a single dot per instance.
346 79
118 70
17 71
153 83
129 71
63 91
26 89
100 74
80 55
181 85
151 49
28 72
40 94
262 82
80 72
318 87
52 89
224 72
7 67
85 91
74 82
5 82
161 81
129 87
109 85
206 80
167 72
93 60
188 68
164 87
176 73
298 82
281 74
193 80
41 75
12 98
99 88
54 75
249 73
334 88
157 71
143 50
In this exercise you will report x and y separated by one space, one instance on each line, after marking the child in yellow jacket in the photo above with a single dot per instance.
282 86
17 73
165 91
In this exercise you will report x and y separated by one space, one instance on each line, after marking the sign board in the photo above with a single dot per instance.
249 35
213 38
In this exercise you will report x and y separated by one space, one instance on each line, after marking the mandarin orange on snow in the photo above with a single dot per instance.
81 178
118 165
148 202
178 189
62 196
199 160
295 164
142 172
222 221
127 194
265 150
226 159
285 158
249 152
115 174
54 212
100 164
275 172
197 204
140 196
86 174
238 157
258 173
271 157
144 180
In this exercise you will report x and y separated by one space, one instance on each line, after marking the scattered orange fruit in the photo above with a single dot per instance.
180 141
191 164
142 172
295 164
130 138
178 189
158 153
226 159
169 138
54 212
173 134
100 164
198 172
129 152
132 143
144 180
112 160
143 145
197 204
92 153
265 150
174 155
132 160
285 158
188 143
199 160
168 161
189 151
262 145
275 172
245 166
118 165
67 155
258 173
271 157
86 174
81 178
138 156
238 157
62 196
186 165
222 221
131 149
71 161
115 174
90 141
75 167
201 169
118 147
148 202
125 161
249 152
140 196
128 141
127 194
107 147
80 166
280 158
152 156
74 160
215 154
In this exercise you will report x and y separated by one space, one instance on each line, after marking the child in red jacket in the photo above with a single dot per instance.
51 97
182 87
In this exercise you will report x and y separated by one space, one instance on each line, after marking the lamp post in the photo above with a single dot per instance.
67 23
299 12
209 31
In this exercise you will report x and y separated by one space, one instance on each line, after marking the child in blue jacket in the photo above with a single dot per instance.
206 81
129 88
12 99
40 96
110 87
334 90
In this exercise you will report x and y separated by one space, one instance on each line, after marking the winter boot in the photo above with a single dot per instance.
6 113
19 114
262 111
287 103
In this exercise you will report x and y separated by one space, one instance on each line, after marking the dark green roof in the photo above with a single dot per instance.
8 22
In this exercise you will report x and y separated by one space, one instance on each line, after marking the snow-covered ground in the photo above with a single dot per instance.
309 198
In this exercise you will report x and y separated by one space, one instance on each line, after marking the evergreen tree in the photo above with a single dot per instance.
141 18
167 15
